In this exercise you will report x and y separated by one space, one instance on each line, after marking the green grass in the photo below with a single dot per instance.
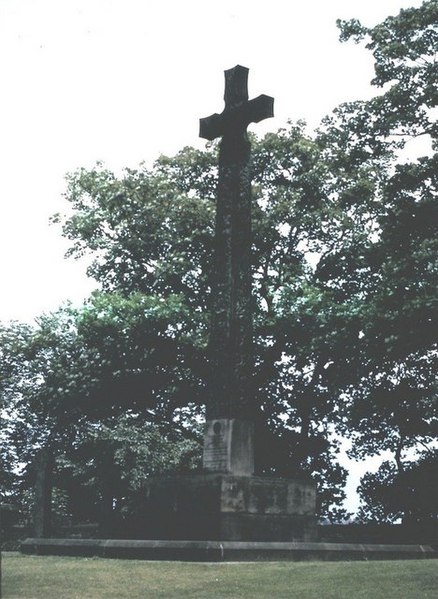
35 577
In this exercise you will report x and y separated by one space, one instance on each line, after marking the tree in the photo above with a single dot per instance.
104 476
395 406
404 50
35 403
77 372
410 494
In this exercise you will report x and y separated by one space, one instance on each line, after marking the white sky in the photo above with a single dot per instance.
124 80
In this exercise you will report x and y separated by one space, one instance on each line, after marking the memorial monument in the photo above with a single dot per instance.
200 516
226 501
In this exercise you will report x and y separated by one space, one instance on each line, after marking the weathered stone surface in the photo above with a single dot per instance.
217 551
418 533
228 507
229 446
42 508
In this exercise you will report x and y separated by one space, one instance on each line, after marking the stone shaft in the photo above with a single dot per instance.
42 508
230 345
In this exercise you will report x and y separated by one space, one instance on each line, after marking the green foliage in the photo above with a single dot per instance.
411 494
143 232
394 405
109 467
43 369
149 353
404 49
85 368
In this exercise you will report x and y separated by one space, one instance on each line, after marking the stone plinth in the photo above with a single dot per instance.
224 551
219 507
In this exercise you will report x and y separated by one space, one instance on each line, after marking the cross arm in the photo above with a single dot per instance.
211 127
259 109
252 111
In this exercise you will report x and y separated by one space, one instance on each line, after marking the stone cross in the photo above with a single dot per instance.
228 441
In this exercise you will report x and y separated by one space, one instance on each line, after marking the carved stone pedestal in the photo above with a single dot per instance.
219 507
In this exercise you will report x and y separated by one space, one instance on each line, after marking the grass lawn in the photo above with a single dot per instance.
35 577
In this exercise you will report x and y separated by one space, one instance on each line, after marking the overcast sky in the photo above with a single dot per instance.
124 80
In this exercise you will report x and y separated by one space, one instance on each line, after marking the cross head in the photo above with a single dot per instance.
239 112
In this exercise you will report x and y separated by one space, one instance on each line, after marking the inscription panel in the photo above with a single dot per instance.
216 456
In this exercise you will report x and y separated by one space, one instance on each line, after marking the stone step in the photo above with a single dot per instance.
225 551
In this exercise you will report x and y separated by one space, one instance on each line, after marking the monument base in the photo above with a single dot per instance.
224 507
224 551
